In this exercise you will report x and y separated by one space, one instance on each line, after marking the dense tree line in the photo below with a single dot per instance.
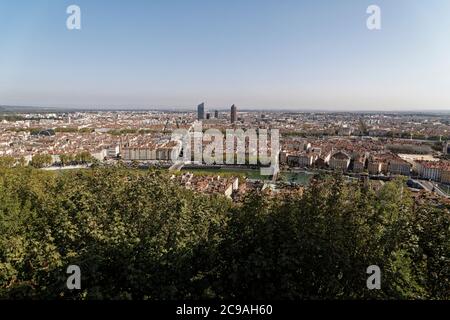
137 235
41 160
83 157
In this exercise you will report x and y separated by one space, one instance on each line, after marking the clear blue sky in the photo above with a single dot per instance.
312 54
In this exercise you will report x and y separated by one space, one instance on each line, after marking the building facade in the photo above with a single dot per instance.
233 114
399 167
340 161
201 111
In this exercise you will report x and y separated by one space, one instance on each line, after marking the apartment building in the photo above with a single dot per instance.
301 159
374 167
359 162
445 176
340 161
399 166
434 170
139 153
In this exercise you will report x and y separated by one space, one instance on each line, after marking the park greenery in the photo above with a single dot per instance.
40 161
83 157
136 234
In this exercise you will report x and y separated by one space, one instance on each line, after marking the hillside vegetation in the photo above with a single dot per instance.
137 235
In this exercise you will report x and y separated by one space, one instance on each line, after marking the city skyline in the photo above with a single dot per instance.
260 55
222 108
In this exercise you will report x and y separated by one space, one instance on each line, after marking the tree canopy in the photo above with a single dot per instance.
137 235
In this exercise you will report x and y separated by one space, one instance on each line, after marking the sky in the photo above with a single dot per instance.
262 54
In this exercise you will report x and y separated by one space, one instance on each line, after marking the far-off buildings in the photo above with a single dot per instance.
233 113
201 111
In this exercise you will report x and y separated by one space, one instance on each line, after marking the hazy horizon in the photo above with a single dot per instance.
20 108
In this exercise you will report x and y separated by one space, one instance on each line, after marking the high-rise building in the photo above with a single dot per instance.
201 111
216 114
208 116
233 113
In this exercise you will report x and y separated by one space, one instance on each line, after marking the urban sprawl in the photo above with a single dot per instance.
373 147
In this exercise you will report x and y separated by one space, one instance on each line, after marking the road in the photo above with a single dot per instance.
177 166
432 187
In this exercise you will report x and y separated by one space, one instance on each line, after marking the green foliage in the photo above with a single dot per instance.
319 246
41 160
12 118
137 235
134 234
86 130
66 159
66 130
83 157
7 162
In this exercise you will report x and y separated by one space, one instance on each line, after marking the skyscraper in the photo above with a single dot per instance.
216 114
201 111
233 113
